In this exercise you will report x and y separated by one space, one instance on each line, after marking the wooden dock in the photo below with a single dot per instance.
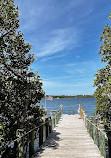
69 139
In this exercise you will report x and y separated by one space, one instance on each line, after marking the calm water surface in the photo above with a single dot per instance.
70 104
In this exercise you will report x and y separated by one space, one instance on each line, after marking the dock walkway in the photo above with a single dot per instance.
69 139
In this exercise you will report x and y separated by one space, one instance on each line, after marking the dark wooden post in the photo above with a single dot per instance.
55 119
60 114
50 113
20 142
61 109
40 135
31 143
52 122
47 127
46 114
109 143
44 132
50 125
15 149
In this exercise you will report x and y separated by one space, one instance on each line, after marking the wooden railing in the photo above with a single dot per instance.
27 144
55 116
97 132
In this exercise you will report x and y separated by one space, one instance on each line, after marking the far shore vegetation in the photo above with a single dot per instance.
75 96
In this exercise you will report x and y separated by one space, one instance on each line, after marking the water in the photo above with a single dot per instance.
88 104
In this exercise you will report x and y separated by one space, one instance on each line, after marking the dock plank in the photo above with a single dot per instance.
69 139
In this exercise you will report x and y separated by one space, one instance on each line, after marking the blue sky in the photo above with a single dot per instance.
65 38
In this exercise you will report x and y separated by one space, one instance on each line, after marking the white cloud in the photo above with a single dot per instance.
52 57
77 91
57 78
59 40
36 13
53 84
84 68
71 64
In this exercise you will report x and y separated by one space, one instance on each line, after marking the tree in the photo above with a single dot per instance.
103 80
20 88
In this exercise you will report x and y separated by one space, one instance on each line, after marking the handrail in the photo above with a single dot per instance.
42 131
25 134
56 117
96 126
98 135
56 111
93 123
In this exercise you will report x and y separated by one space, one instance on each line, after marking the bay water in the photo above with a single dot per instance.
88 104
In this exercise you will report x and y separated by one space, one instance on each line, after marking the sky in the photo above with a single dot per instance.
65 39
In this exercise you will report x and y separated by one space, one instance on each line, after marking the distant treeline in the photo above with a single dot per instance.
75 96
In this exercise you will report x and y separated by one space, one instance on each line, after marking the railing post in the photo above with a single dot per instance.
80 111
109 144
91 128
59 115
61 107
55 119
20 142
31 143
97 140
50 125
44 132
102 143
85 120
53 122
46 113
47 127
40 135
51 113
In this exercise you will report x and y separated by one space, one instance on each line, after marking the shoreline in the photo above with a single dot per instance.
75 96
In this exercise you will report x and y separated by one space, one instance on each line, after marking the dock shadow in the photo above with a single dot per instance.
50 142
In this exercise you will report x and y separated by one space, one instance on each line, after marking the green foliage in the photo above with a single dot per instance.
75 96
103 79
20 88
